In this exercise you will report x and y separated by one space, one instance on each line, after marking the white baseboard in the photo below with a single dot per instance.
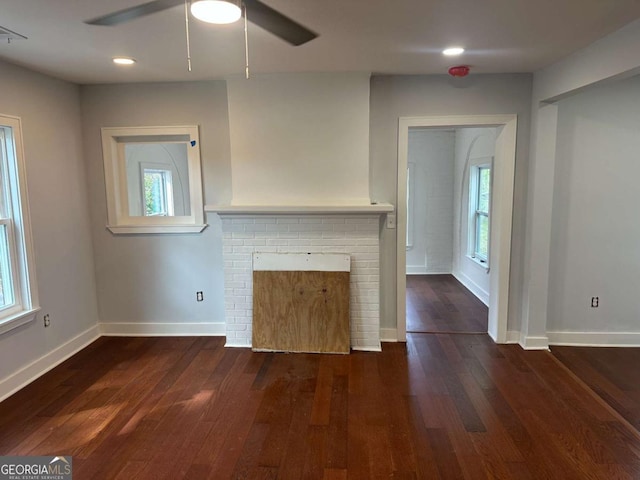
422 270
37 368
513 336
479 292
237 345
534 343
388 334
595 339
162 329
353 347
359 348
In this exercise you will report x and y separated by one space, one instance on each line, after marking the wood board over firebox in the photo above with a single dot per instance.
301 302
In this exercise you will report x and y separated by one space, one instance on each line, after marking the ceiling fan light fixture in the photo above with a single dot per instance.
216 11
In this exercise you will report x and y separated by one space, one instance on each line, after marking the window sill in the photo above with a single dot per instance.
18 319
141 229
479 262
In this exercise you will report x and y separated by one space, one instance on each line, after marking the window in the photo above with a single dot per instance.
153 179
18 296
158 192
479 209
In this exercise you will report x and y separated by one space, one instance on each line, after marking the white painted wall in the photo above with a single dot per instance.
148 283
430 157
402 96
595 232
300 139
51 124
610 58
472 145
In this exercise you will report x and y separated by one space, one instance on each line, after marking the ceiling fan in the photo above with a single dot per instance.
255 11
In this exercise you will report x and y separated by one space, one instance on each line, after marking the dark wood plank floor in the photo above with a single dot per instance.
440 303
612 373
439 407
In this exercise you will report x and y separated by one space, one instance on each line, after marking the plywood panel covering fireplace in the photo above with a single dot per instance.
301 310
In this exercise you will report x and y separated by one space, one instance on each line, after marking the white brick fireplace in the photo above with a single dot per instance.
354 231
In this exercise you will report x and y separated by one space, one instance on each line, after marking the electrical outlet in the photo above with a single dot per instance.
595 302
199 297
47 320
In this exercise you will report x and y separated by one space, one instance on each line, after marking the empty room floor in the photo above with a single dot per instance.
612 373
438 407
440 303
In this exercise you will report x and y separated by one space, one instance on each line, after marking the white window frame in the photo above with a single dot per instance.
474 196
167 188
118 216
17 220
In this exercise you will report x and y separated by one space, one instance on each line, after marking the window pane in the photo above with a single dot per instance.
482 240
6 290
484 189
155 193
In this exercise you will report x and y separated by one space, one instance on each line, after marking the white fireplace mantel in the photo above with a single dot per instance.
364 209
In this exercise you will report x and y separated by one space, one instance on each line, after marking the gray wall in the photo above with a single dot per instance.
154 278
300 139
399 96
595 227
50 113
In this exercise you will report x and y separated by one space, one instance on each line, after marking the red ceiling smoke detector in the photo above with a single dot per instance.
459 71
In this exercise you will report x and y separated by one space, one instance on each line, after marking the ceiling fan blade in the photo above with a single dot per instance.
132 13
276 23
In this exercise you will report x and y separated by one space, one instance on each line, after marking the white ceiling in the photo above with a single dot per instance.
391 36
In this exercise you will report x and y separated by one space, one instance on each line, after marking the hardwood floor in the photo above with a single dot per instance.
439 407
440 303
612 373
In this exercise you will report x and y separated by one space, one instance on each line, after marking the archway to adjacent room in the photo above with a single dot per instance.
501 211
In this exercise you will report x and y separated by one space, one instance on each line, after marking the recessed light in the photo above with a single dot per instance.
124 61
453 51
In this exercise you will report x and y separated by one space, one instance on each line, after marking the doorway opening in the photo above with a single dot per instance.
449 172
484 240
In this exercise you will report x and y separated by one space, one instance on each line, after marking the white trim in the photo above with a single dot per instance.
480 293
236 345
17 320
388 334
358 348
534 343
37 368
23 236
422 270
377 348
130 229
119 220
307 262
482 264
374 208
595 339
513 336
502 212
162 329
411 166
